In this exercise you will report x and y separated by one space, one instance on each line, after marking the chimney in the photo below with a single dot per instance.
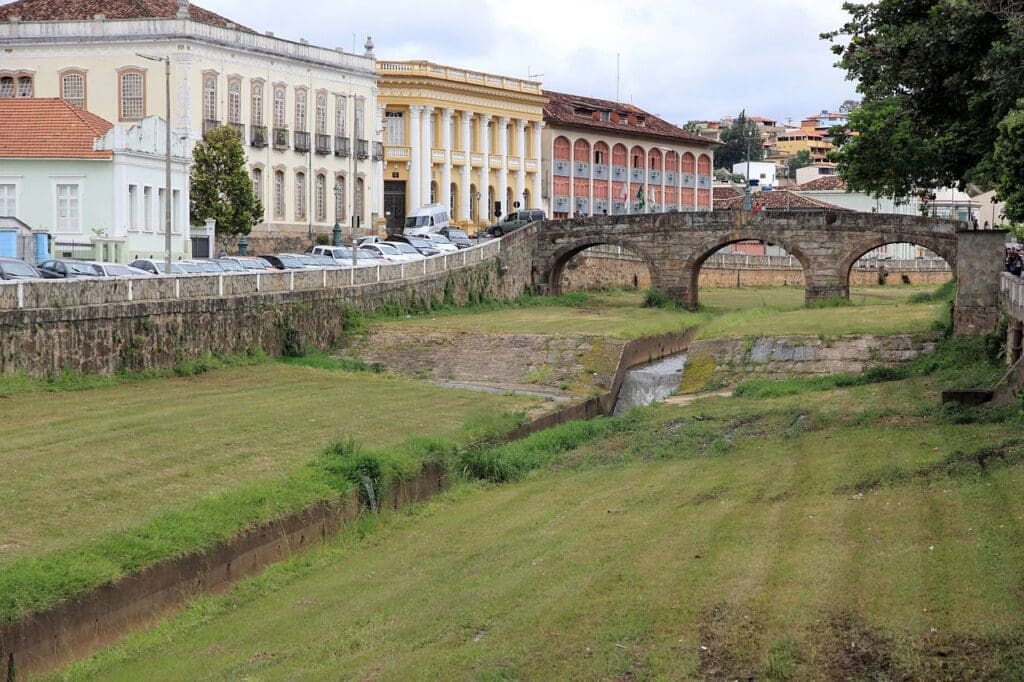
183 9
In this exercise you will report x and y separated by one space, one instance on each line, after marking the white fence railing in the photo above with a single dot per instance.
66 293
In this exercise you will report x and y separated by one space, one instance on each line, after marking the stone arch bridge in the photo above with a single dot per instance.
675 245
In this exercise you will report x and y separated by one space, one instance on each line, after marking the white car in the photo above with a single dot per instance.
408 250
388 252
442 243
117 270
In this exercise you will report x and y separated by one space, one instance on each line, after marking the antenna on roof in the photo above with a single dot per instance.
530 75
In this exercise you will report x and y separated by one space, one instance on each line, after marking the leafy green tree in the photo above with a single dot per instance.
734 140
799 160
220 186
937 77
1009 160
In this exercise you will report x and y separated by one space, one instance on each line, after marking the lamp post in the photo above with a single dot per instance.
167 157
746 187
336 233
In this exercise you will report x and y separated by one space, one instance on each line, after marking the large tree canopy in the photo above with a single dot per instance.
221 187
734 143
937 78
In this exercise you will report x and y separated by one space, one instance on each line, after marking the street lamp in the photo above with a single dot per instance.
167 159
336 233
746 189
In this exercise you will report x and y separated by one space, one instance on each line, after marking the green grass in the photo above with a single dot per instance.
725 312
845 533
100 482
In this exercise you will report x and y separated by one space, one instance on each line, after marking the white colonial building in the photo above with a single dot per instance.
306 114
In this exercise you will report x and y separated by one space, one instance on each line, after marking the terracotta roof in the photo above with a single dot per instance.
722 194
561 110
825 183
782 200
49 129
71 10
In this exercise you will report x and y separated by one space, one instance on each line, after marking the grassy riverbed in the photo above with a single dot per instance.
860 532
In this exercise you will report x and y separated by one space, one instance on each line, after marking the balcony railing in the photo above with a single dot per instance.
378 151
209 124
392 153
258 136
301 141
342 146
239 128
281 138
362 149
323 143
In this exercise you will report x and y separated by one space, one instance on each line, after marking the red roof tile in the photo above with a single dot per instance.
825 183
71 10
722 193
561 110
781 200
49 129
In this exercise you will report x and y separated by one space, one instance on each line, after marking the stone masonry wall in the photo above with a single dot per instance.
138 335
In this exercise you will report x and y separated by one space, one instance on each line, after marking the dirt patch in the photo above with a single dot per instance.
728 644
852 650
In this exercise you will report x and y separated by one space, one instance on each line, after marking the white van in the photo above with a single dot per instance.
425 220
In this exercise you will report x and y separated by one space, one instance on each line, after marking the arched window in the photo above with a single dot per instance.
300 196
360 113
279 194
210 97
561 148
257 183
359 199
24 86
279 106
339 199
72 88
300 110
321 113
256 102
6 87
234 101
321 197
132 88
339 116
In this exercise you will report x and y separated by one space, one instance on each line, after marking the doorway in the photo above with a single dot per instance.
394 205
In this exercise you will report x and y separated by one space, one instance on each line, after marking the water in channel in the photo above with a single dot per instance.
650 383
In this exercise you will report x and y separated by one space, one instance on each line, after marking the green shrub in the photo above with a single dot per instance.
656 298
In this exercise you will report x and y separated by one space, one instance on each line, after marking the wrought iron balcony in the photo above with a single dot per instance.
323 143
378 151
239 128
209 124
258 136
362 149
301 141
342 146
281 138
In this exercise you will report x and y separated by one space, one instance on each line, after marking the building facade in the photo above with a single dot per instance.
608 158
465 139
99 190
306 114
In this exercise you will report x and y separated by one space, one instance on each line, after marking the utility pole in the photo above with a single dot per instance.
167 158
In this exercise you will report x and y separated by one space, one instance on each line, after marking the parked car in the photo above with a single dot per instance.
117 270
515 220
14 268
155 266
442 243
66 267
230 265
407 250
389 252
313 261
371 239
283 261
426 219
366 257
424 246
207 265
250 263
457 237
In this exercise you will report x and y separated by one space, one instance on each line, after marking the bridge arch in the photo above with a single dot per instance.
943 247
692 266
556 263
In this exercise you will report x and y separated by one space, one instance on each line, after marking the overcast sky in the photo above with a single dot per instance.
680 59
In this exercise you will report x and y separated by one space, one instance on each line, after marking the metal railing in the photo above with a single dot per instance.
362 149
323 143
281 138
258 136
301 141
238 128
342 146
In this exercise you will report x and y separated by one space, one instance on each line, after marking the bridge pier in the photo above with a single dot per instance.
832 289
980 260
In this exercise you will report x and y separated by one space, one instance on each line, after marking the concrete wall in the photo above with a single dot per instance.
111 325
980 263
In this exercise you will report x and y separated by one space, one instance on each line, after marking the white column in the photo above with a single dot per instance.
467 148
427 158
572 178
415 151
485 172
521 148
538 177
446 166
502 188
378 166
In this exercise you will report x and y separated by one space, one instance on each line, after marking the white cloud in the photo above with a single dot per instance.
680 59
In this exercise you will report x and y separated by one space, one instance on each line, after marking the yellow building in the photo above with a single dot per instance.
465 139
800 139
306 114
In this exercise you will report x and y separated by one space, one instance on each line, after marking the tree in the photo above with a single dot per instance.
799 160
734 143
937 77
1009 159
221 187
